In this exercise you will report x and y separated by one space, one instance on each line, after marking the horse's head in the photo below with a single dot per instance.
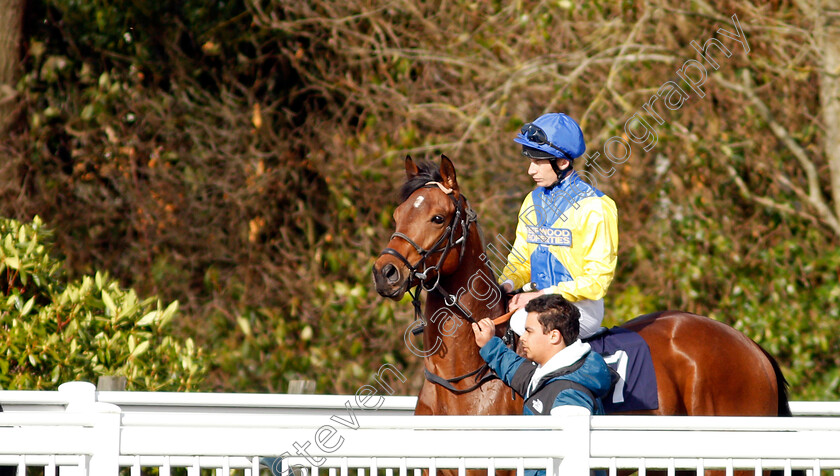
432 225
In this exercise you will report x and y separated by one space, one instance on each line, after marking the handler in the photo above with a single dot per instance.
562 373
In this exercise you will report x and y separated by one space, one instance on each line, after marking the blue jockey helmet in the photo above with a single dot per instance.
551 136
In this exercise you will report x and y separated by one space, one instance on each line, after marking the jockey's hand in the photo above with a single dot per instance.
521 299
484 331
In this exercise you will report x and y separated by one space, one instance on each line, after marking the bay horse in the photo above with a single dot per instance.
702 366
438 246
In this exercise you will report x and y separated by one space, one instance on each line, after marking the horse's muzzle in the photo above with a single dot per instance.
389 280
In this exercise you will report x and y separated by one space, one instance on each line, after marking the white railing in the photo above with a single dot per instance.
28 400
81 431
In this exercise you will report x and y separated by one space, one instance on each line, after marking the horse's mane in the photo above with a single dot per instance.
428 172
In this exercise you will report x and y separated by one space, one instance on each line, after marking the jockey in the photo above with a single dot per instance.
567 235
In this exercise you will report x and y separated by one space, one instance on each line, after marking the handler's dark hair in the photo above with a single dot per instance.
555 312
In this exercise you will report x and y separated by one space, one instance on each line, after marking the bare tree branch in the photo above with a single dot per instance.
814 195
614 69
763 200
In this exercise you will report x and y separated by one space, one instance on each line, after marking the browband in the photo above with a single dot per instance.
441 187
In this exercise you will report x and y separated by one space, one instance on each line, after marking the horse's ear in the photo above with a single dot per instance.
447 171
411 169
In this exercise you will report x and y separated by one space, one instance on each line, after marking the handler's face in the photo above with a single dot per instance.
540 346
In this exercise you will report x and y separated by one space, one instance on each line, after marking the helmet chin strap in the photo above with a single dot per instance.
561 174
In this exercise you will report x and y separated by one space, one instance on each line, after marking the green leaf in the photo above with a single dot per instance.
87 112
109 303
55 374
148 319
87 285
168 314
139 350
244 325
27 307
31 247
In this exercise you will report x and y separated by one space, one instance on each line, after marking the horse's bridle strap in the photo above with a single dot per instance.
443 189
447 383
396 254
420 250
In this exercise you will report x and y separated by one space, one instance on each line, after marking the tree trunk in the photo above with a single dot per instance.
828 40
11 27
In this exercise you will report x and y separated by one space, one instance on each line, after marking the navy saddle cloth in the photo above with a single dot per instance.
629 355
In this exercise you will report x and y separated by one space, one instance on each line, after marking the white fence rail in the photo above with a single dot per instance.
79 431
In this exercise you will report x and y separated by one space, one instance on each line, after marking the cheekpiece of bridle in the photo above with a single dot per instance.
428 276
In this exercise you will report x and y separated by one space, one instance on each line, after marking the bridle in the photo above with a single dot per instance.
462 219
429 276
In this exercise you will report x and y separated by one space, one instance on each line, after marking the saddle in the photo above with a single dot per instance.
628 355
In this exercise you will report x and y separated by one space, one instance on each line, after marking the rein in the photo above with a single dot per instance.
447 383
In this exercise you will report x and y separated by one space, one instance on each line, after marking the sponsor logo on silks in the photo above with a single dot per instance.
543 235
538 406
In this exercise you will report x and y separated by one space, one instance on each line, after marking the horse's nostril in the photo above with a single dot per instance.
391 273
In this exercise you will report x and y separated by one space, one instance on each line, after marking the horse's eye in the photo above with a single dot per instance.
437 219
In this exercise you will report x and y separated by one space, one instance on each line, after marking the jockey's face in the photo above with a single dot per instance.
542 172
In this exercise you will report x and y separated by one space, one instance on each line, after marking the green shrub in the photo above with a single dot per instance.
56 331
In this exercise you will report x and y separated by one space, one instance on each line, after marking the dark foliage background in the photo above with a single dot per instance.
242 157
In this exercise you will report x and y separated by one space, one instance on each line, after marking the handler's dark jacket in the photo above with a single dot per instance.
577 377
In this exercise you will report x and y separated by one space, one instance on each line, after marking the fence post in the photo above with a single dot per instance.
576 436
104 459
113 383
301 386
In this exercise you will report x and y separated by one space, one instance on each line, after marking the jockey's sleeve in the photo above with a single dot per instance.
518 267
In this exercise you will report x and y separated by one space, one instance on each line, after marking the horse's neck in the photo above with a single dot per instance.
474 286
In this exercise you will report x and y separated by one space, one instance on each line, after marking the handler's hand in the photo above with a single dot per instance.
484 331
521 299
